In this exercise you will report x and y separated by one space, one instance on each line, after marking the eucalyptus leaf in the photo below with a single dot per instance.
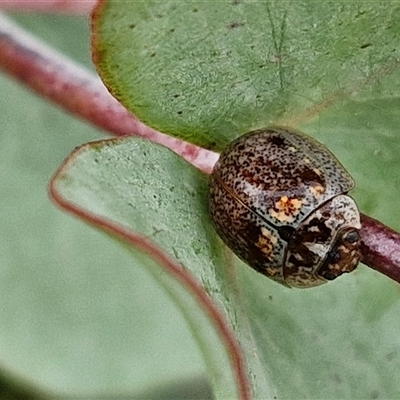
153 192
325 342
209 71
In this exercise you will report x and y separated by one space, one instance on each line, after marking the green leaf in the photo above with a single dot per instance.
326 342
208 71
153 192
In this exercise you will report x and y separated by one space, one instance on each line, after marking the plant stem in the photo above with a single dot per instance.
55 6
80 92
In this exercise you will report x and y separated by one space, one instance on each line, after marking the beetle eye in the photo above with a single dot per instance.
326 271
352 237
334 256
328 276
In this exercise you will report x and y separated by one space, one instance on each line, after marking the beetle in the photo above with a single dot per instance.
278 199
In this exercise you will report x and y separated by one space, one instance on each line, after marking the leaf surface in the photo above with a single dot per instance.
324 342
132 185
209 71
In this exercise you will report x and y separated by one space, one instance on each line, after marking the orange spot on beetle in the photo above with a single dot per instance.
286 209
266 243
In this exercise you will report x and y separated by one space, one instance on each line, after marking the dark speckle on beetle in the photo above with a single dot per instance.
277 141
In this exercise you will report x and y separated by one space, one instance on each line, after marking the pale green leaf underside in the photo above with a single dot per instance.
154 192
149 189
335 341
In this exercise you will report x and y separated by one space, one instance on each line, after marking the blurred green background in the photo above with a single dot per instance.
78 318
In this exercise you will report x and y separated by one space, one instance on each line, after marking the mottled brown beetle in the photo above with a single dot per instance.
278 200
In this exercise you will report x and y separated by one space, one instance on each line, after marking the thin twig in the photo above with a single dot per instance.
380 247
76 7
80 92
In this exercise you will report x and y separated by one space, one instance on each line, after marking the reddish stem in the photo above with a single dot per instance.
380 247
55 6
81 92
